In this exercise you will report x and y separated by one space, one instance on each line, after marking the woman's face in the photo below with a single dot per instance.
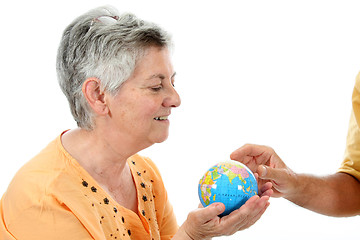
140 110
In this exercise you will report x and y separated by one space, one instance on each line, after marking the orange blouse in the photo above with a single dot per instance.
53 197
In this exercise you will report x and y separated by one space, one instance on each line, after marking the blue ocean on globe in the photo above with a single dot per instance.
229 182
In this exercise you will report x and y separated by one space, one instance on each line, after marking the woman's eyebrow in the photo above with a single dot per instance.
160 75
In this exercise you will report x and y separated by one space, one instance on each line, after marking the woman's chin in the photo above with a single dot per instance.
162 138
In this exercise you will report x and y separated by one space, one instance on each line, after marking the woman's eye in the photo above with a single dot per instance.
156 89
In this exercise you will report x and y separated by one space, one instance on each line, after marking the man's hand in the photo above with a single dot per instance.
265 163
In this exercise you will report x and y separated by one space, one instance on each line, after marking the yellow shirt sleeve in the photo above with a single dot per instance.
351 163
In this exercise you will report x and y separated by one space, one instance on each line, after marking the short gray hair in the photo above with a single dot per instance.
106 45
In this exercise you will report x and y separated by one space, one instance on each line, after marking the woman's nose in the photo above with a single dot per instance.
172 99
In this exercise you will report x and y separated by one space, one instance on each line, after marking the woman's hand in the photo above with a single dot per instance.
269 168
204 223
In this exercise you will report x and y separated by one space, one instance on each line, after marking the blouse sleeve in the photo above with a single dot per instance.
169 225
43 221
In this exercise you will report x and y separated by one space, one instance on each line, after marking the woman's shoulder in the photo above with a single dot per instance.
33 181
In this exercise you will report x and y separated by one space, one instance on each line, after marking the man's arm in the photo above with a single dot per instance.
334 195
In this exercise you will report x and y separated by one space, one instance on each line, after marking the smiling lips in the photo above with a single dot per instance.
161 118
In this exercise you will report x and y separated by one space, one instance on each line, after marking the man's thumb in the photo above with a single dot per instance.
269 173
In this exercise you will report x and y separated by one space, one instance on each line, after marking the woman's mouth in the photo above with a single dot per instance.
163 118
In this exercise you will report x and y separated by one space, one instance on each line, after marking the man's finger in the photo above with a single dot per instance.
269 173
249 151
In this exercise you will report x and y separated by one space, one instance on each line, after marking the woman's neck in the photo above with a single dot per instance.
101 159
108 167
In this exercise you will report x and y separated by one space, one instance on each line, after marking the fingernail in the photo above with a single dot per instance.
264 171
219 207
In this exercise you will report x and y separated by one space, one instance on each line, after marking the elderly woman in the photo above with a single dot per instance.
90 183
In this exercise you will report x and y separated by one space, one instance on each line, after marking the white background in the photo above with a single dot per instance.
278 73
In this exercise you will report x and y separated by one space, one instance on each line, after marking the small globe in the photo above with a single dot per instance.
229 182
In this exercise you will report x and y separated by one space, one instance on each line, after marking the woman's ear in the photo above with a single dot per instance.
95 98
